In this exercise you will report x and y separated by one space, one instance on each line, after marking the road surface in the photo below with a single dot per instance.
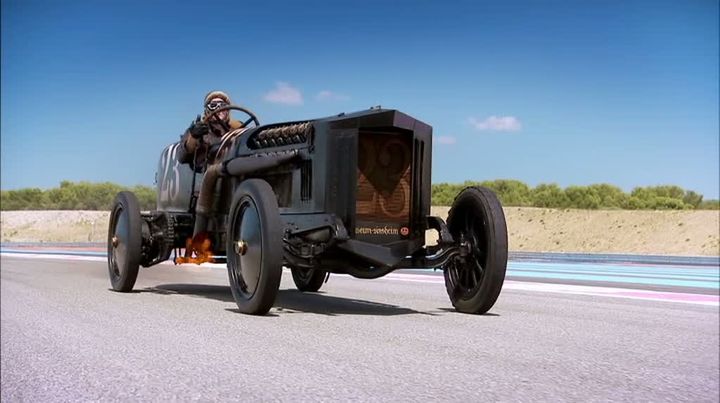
67 337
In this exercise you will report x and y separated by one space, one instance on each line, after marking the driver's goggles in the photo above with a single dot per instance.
215 105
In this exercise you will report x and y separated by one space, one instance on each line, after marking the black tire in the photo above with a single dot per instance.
308 280
477 217
255 269
124 242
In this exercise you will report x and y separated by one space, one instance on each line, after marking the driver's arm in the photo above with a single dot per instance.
186 148
190 140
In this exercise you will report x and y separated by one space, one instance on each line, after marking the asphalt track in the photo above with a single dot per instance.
559 332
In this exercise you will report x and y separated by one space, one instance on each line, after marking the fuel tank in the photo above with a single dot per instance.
174 181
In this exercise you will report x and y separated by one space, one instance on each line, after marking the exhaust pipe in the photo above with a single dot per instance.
235 167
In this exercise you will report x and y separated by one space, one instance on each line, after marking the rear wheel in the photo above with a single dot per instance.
124 242
308 280
474 282
254 248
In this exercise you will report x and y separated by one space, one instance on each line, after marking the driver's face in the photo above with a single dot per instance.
223 115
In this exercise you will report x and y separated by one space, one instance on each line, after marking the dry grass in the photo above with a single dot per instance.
54 226
529 229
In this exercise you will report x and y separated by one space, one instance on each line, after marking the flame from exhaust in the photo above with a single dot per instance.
198 250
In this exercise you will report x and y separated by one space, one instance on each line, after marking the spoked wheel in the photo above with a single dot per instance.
254 248
124 242
308 280
474 282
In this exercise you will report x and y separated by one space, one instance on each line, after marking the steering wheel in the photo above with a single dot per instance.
215 149
252 117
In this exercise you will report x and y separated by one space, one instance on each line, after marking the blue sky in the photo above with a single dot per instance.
570 92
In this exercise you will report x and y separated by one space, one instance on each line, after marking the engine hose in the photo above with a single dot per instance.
234 167
250 164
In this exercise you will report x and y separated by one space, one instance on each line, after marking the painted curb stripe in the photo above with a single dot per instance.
696 299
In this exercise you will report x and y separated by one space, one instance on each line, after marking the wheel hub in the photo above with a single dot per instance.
247 246
241 247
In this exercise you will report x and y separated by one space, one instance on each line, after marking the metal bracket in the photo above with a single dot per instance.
438 224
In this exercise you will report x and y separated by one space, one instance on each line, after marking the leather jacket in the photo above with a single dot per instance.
188 145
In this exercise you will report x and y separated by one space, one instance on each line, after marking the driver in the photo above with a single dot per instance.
203 134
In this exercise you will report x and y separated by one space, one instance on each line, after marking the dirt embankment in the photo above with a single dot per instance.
611 231
529 229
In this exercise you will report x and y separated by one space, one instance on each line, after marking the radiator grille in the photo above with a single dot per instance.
306 181
384 178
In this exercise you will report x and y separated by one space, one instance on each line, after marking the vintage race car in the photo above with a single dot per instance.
343 194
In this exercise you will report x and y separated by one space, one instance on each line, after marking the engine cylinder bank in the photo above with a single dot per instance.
282 135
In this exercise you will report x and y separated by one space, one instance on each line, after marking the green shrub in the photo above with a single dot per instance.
666 203
597 196
709 205
510 192
73 196
693 199
610 196
100 196
582 197
549 195
635 203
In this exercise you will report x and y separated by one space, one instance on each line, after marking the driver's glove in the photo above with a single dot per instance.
198 128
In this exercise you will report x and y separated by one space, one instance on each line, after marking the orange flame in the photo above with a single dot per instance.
198 250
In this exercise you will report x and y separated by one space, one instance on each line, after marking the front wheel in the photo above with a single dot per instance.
254 248
124 242
474 281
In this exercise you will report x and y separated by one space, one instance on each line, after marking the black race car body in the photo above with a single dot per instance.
349 193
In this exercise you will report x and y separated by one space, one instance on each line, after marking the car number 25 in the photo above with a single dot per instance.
169 174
